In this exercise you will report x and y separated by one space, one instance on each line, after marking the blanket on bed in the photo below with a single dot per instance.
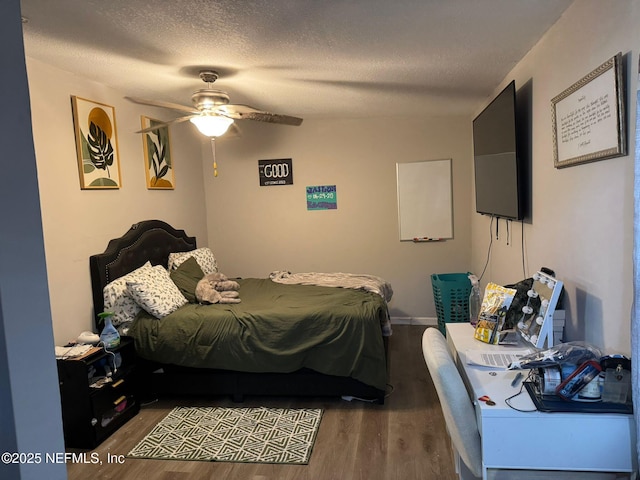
276 328
369 283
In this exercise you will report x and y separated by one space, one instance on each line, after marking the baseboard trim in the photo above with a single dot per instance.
422 321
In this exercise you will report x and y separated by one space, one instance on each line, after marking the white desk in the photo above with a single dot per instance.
537 440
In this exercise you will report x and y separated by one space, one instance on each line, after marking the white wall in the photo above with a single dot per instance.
255 230
580 226
581 223
79 223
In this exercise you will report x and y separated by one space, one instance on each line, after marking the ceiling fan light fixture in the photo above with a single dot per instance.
212 125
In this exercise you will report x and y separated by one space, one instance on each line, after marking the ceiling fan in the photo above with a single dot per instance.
212 113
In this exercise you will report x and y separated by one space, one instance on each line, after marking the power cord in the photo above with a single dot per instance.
113 361
489 249
524 272
522 387
391 389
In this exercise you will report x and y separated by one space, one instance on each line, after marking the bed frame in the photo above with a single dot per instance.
153 240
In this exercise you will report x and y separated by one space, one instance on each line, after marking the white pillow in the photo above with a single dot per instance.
154 291
117 299
204 256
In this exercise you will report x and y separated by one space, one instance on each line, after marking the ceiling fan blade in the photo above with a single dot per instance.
166 124
245 112
157 103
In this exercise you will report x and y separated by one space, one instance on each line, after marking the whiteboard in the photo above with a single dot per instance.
425 200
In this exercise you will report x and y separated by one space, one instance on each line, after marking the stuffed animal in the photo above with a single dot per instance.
230 294
217 288
215 277
205 293
226 286
221 283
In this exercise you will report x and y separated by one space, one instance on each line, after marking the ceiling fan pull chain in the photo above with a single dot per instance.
213 151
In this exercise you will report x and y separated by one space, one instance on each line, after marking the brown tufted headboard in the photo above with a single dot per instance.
149 240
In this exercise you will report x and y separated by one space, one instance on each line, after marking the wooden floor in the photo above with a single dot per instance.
403 439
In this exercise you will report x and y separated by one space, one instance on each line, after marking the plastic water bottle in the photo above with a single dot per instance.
474 300
109 336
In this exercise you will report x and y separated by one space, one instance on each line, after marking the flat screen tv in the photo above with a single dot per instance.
496 161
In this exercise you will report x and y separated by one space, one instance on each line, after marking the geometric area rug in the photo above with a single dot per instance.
216 434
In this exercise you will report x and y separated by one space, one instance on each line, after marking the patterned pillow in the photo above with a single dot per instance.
154 291
204 256
117 299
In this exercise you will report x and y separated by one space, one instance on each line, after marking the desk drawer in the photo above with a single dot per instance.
591 442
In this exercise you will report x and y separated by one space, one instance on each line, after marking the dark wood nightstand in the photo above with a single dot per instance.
94 403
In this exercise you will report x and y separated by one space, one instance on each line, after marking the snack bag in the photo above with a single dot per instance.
497 300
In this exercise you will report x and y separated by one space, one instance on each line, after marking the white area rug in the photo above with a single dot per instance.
258 435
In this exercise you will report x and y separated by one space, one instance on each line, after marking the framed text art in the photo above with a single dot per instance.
96 144
157 155
588 118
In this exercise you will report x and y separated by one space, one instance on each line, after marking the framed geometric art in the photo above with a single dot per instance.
96 144
157 156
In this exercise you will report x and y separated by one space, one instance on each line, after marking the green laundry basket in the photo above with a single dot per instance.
451 295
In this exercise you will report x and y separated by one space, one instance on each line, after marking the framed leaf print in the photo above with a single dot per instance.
157 155
96 144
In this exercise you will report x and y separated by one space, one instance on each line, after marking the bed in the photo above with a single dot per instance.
280 339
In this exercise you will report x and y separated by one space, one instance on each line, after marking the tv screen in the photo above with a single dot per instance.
496 163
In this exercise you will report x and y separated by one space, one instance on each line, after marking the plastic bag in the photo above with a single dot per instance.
474 300
569 353
493 311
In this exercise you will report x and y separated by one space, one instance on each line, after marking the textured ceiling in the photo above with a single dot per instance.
309 58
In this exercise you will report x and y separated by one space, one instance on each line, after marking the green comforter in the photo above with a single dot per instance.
275 328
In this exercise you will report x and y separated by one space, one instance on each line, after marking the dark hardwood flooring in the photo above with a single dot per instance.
403 439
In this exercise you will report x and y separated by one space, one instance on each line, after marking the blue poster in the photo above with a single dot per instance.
322 197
